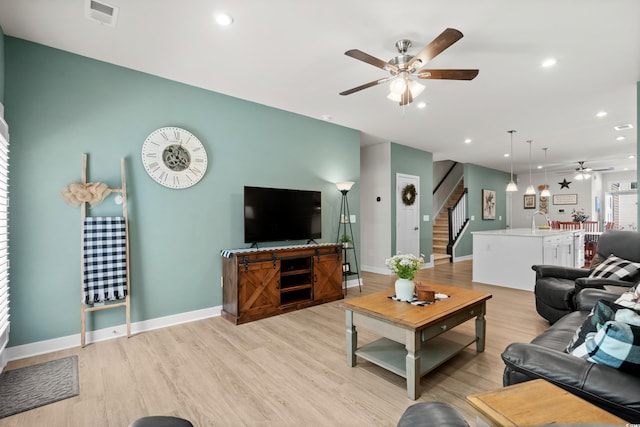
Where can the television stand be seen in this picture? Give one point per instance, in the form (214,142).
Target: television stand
(259,283)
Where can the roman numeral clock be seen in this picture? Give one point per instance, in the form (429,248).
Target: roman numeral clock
(174,157)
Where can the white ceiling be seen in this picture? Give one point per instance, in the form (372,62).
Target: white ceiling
(289,54)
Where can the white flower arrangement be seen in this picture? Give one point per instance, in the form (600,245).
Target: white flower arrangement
(405,266)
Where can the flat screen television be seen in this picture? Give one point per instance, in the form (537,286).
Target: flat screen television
(278,214)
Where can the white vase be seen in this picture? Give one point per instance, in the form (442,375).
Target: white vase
(404,289)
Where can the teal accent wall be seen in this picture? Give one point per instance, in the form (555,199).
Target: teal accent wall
(60,105)
(412,161)
(477,178)
(1,66)
(638,138)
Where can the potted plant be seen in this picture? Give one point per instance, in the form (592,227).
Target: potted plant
(405,267)
(345,239)
(579,215)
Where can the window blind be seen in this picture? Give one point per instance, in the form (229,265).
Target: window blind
(4,237)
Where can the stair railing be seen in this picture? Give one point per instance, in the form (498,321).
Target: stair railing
(457,220)
(447,187)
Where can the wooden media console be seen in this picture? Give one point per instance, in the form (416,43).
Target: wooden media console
(259,283)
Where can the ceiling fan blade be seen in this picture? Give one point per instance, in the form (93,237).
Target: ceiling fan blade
(433,49)
(365,57)
(448,74)
(365,86)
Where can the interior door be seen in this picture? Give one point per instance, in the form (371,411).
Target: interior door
(407,216)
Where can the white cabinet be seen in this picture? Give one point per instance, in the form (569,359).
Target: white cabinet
(505,257)
(558,250)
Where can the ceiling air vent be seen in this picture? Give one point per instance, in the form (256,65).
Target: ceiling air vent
(101,12)
(623,127)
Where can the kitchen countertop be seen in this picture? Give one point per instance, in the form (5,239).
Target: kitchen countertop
(525,232)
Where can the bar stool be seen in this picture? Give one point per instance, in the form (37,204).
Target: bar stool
(161,421)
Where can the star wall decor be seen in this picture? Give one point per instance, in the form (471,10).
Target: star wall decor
(564,183)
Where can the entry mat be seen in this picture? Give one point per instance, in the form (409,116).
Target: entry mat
(38,385)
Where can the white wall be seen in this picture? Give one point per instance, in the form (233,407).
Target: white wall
(583,190)
(608,178)
(375,179)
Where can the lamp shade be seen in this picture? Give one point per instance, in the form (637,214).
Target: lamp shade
(511,187)
(545,192)
(530,190)
(344,185)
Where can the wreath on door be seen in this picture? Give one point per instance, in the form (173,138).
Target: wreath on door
(409,195)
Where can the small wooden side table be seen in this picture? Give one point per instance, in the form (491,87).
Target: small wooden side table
(536,402)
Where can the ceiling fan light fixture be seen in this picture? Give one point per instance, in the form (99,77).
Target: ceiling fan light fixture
(396,93)
(398,85)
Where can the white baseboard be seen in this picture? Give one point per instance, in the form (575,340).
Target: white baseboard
(379,270)
(462,258)
(354,283)
(70,341)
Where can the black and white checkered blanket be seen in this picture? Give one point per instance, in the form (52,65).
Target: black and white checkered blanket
(105,259)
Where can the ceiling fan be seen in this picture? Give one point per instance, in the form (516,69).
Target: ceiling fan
(583,172)
(402,67)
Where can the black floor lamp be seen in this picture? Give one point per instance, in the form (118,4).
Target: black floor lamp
(344,238)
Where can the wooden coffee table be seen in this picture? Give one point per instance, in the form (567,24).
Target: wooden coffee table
(536,402)
(414,340)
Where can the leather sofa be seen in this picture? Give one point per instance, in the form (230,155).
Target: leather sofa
(556,286)
(614,391)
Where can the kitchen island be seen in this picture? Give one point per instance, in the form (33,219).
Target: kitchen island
(504,257)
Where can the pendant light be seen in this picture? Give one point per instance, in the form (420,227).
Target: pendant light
(545,192)
(530,190)
(511,187)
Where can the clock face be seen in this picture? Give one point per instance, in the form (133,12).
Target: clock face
(174,157)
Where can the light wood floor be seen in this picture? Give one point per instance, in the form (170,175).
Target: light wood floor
(288,370)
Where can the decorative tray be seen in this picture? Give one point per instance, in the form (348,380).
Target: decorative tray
(415,300)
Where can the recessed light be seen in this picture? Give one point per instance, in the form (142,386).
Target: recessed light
(620,138)
(224,19)
(539,166)
(422,104)
(467,141)
(623,127)
(549,62)
(506,154)
(626,169)
(632,156)
(601,114)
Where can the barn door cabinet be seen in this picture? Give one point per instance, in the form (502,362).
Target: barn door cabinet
(259,283)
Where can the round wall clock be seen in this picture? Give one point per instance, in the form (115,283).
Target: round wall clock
(174,157)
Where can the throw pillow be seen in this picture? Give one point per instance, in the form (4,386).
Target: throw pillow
(616,268)
(602,312)
(616,344)
(596,261)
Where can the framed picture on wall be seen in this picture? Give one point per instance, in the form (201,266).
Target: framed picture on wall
(529,201)
(488,204)
(565,199)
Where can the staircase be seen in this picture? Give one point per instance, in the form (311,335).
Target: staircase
(441,229)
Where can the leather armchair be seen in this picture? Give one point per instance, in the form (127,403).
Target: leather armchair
(545,357)
(556,287)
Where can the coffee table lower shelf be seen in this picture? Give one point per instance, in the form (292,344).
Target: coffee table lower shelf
(392,355)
